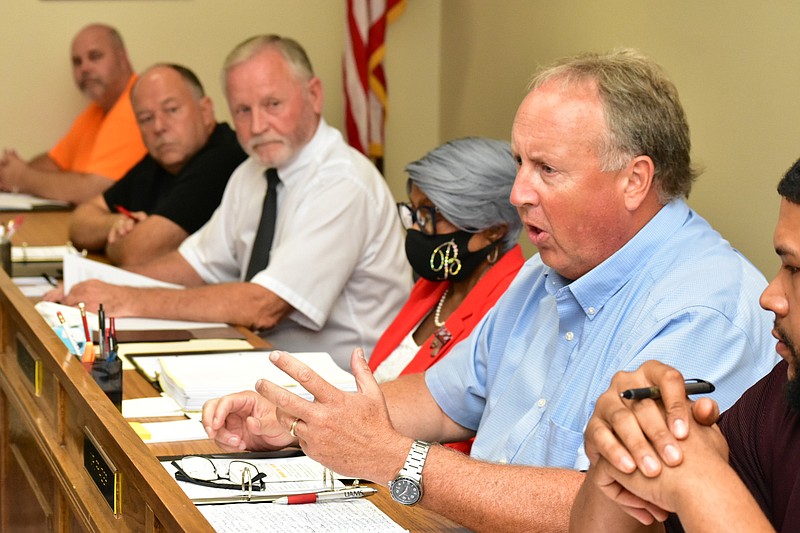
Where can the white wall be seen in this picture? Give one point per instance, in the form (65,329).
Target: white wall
(736,65)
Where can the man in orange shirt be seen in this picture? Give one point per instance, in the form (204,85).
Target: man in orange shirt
(103,142)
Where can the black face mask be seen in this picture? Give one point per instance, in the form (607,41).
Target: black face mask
(443,257)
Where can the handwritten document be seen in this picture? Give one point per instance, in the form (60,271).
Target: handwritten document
(338,516)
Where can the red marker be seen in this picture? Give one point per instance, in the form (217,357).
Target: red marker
(125,212)
(319,497)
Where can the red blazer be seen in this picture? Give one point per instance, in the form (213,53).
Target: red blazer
(424,297)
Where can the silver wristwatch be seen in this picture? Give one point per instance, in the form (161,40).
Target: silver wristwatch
(406,488)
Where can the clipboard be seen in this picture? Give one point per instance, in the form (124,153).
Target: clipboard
(170,335)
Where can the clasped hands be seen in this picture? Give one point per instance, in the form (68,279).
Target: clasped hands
(12,170)
(646,455)
(350,433)
(124,224)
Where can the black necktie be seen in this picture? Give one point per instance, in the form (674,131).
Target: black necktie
(259,259)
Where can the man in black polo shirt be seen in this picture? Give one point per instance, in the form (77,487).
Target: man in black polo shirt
(176,187)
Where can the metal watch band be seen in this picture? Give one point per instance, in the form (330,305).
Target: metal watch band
(415,460)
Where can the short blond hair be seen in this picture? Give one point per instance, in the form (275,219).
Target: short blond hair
(643,114)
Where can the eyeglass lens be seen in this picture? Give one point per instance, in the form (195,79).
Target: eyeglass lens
(424,217)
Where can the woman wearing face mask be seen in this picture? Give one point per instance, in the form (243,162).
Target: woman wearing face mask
(461,240)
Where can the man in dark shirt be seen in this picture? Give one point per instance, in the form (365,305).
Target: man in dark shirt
(739,475)
(176,187)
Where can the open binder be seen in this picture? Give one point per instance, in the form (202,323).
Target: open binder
(191,380)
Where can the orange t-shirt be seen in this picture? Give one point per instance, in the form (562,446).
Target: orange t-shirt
(106,144)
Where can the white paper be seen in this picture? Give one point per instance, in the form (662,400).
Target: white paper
(329,517)
(32,286)
(78,268)
(25,202)
(150,407)
(174,431)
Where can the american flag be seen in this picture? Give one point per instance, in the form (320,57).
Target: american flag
(364,78)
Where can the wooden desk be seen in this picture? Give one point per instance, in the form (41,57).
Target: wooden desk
(41,228)
(52,413)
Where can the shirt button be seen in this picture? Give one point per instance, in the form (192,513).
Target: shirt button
(542,402)
(503,461)
(569,336)
(590,310)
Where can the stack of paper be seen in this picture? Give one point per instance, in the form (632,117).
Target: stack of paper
(191,380)
(42,254)
(25,202)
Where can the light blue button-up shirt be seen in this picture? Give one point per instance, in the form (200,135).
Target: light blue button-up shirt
(528,377)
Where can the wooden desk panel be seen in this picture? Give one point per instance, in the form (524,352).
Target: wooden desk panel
(38,447)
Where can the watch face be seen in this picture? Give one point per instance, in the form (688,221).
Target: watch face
(406,491)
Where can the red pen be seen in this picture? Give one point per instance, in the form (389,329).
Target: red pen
(125,212)
(318,497)
(87,334)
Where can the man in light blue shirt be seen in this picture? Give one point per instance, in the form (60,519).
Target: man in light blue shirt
(676,292)
(625,272)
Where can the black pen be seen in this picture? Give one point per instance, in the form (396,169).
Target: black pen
(693,386)
(49,279)
(101,319)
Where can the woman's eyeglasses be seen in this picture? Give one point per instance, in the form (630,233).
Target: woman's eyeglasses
(423,216)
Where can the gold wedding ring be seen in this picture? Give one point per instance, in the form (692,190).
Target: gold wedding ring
(294,426)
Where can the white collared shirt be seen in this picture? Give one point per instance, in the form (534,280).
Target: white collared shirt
(338,251)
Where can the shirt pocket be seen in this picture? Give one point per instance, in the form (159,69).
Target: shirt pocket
(559,446)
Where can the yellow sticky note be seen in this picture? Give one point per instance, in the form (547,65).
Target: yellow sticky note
(140,430)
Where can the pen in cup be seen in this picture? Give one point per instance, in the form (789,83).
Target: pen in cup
(112,340)
(101,333)
(693,386)
(73,345)
(88,348)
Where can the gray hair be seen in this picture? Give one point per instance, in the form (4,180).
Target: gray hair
(292,52)
(643,114)
(470,181)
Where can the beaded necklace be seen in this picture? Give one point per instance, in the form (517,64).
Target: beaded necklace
(437,314)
